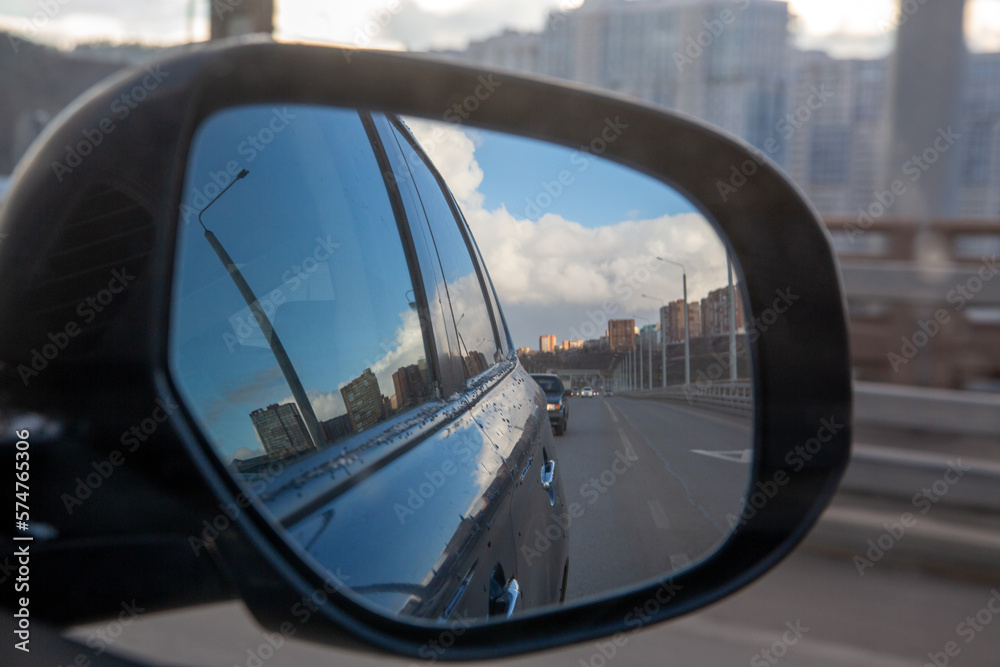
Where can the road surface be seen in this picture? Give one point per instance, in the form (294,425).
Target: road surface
(655,482)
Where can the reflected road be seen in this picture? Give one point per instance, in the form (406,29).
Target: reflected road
(652,482)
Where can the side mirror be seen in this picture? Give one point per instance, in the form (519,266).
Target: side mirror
(284,309)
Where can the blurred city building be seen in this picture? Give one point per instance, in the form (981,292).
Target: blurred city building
(823,119)
(547,343)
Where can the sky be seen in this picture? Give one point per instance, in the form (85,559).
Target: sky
(846,28)
(586,255)
(564,263)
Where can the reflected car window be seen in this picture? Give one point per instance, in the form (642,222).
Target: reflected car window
(548,385)
(476,337)
(295,320)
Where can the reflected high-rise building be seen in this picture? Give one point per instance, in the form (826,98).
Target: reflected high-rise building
(715,313)
(365,407)
(336,428)
(410,384)
(621,334)
(281,430)
(674,320)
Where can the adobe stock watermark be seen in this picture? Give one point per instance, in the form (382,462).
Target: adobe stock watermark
(100,640)
(429,141)
(580,160)
(907,9)
(923,502)
(130,440)
(230,511)
(558,15)
(643,614)
(434,480)
(302,611)
(912,170)
(959,297)
(246,323)
(597,320)
(378,21)
(695,46)
(433,649)
(87,310)
(558,526)
(32,25)
(464,109)
(968,630)
(248,150)
(718,369)
(779,648)
(121,107)
(640,615)
(785,128)
(797,460)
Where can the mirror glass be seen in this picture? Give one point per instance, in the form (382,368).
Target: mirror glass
(465,374)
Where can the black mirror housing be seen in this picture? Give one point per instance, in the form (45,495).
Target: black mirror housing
(95,208)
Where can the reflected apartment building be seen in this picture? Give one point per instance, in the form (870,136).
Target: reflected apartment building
(281,430)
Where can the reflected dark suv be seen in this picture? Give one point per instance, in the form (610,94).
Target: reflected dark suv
(555,397)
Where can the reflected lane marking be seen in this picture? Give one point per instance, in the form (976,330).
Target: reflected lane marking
(629,451)
(736,455)
(659,514)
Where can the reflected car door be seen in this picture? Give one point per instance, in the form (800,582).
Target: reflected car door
(513,414)
(472,364)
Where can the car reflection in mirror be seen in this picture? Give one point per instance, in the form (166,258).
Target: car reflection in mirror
(347,353)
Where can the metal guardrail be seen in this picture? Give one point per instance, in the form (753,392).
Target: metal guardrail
(926,409)
(892,472)
(917,408)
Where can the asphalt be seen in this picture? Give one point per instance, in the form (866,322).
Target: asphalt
(675,474)
(927,599)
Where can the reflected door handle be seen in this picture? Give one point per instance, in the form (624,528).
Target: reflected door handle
(510,595)
(548,474)
(548,478)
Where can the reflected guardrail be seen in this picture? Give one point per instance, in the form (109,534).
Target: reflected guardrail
(735,397)
(918,408)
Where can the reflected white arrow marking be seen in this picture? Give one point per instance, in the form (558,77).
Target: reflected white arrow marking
(736,455)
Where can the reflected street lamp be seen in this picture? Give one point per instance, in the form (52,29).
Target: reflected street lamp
(687,322)
(277,349)
(641,376)
(732,321)
(663,346)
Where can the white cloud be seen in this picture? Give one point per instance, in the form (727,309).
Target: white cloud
(453,153)
(405,349)
(552,274)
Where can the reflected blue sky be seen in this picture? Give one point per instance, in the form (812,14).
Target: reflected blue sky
(566,233)
(311,229)
(522,174)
